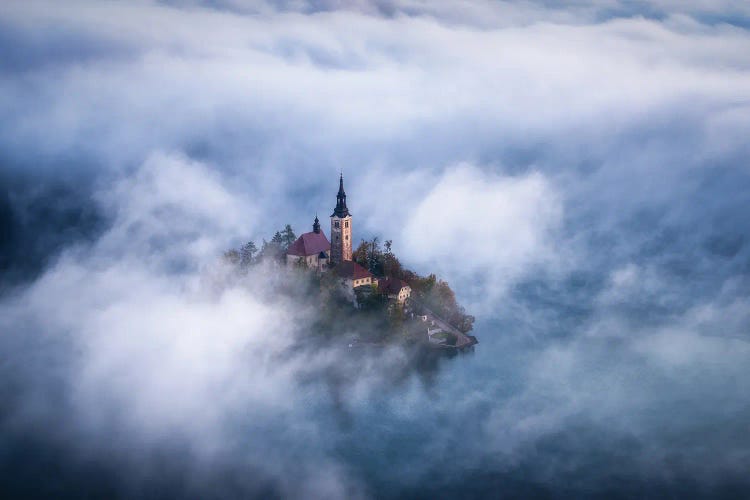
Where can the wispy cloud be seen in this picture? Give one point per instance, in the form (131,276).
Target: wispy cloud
(578,174)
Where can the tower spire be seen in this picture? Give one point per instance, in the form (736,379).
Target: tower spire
(341,210)
(341,228)
(316,225)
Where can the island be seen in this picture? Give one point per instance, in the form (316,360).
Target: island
(363,296)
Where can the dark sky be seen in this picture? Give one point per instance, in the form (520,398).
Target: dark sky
(578,174)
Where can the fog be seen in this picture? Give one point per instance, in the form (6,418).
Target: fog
(578,175)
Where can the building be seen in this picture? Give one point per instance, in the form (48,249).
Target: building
(395,289)
(341,228)
(313,250)
(310,249)
(354,275)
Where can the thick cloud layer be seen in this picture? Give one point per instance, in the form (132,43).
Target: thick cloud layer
(578,174)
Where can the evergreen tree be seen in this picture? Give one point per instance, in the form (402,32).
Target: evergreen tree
(270,250)
(232,257)
(287,237)
(247,252)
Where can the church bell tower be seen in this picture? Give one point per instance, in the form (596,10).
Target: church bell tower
(341,228)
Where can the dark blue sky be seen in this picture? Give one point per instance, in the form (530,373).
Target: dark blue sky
(578,174)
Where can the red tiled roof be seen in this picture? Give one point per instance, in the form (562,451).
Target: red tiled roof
(311,243)
(391,285)
(351,270)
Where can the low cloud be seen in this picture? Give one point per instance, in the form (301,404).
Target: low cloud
(483,227)
(577,174)
(153,343)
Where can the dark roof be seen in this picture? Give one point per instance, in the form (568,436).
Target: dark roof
(340,211)
(351,270)
(309,244)
(316,225)
(391,285)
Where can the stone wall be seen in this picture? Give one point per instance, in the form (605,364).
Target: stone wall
(341,239)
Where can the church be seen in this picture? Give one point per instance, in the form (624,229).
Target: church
(315,251)
(311,249)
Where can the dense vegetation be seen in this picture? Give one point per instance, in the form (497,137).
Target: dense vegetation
(427,291)
(365,310)
(275,249)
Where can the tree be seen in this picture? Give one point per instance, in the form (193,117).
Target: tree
(410,277)
(465,323)
(247,252)
(232,257)
(444,296)
(391,264)
(287,237)
(270,249)
(422,285)
(360,254)
(375,258)
(396,317)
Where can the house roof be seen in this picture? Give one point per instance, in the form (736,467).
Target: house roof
(351,270)
(311,243)
(391,285)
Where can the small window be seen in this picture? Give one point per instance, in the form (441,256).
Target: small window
(336,224)
(346,224)
(347,236)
